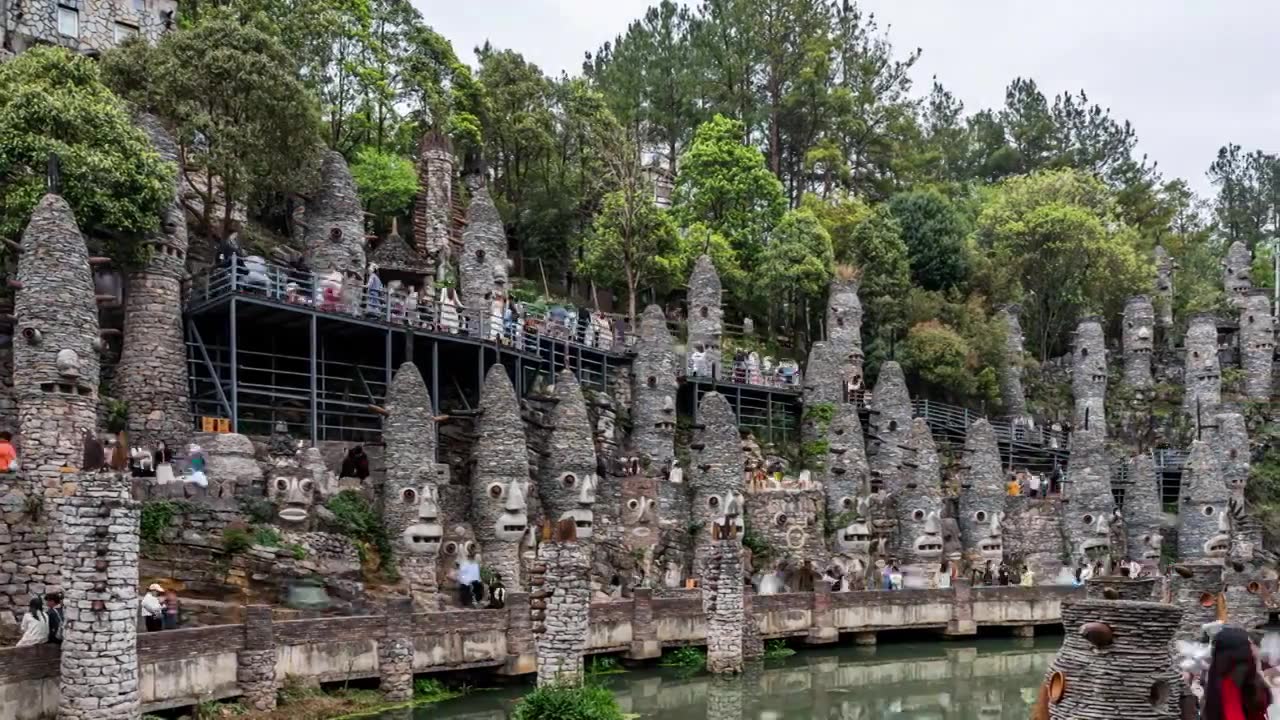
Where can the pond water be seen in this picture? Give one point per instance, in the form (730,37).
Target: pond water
(990,679)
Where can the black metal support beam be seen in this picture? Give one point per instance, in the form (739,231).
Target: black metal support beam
(235,364)
(315,390)
(213,371)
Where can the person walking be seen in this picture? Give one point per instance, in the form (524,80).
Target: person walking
(8,456)
(1234,688)
(152,610)
(172,610)
(57,617)
(35,624)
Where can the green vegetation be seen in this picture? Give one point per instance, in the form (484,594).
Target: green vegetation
(777,649)
(604,665)
(358,520)
(266,536)
(430,690)
(297,551)
(53,101)
(688,658)
(387,182)
(156,517)
(236,540)
(589,702)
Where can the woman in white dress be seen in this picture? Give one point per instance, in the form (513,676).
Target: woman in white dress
(35,624)
(448,309)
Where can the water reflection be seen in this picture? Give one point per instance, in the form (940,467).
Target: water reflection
(983,680)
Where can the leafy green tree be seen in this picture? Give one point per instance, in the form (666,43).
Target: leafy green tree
(934,231)
(244,118)
(1064,252)
(726,185)
(53,101)
(387,182)
(1248,202)
(938,356)
(797,266)
(633,244)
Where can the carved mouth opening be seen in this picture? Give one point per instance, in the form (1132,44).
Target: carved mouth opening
(513,528)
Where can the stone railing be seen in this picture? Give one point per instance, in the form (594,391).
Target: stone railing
(183,667)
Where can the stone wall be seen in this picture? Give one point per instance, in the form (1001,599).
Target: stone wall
(1203,376)
(152,373)
(482,268)
(99,676)
(433,208)
(1033,534)
(844,323)
(567,483)
(722,590)
(1195,589)
(100,24)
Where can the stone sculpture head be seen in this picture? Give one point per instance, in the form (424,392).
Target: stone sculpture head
(568,485)
(982,496)
(1204,520)
(922,529)
(425,536)
(854,537)
(291,490)
(459,545)
(640,511)
(505,509)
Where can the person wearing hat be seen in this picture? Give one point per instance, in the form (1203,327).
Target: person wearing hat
(152,610)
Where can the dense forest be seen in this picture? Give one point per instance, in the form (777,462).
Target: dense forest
(799,146)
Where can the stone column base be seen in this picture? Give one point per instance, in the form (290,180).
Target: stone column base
(864,638)
(256,676)
(1024,631)
(822,635)
(395,669)
(644,650)
(961,628)
(519,665)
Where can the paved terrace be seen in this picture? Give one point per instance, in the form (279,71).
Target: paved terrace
(184,667)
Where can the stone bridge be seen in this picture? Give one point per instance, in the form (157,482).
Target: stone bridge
(184,667)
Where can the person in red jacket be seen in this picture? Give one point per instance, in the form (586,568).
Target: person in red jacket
(1234,688)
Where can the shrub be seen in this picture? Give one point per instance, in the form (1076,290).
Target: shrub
(157,515)
(266,536)
(777,649)
(236,540)
(432,690)
(355,518)
(604,665)
(685,657)
(589,702)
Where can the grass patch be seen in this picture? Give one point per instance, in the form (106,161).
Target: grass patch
(266,536)
(589,702)
(358,520)
(604,665)
(777,649)
(686,658)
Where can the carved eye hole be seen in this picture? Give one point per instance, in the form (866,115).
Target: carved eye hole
(917,515)
(569,480)
(633,503)
(495,491)
(1208,511)
(1195,353)
(780,519)
(702,311)
(480,254)
(409,496)
(307,485)
(1254,587)
(846,503)
(282,484)
(839,322)
(470,547)
(980,516)
(651,381)
(893,425)
(1084,352)
(839,431)
(451,548)
(713,502)
(1087,519)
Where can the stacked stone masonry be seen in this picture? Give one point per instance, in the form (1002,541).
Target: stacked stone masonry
(560,602)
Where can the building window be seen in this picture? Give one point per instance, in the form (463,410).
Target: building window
(68,21)
(124,32)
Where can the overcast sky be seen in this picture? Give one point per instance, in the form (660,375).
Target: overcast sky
(1191,75)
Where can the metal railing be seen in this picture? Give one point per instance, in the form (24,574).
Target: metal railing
(514,325)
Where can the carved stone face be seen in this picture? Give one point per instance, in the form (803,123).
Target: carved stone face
(1092,534)
(581,487)
(719,508)
(292,493)
(1219,543)
(855,537)
(504,507)
(786,521)
(988,526)
(640,511)
(923,534)
(1149,548)
(459,544)
(425,536)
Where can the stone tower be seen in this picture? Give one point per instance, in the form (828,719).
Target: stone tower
(1143,513)
(411,498)
(890,427)
(1164,287)
(1089,377)
(1203,377)
(722,590)
(99,679)
(1204,524)
(824,379)
(1257,344)
(433,208)
(1236,268)
(716,476)
(706,317)
(1015,400)
(919,507)
(653,395)
(559,610)
(568,482)
(982,495)
(1090,510)
(1230,443)
(1115,662)
(844,322)
(482,268)
(1033,531)
(56,345)
(152,374)
(1196,588)
(1139,341)
(335,223)
(500,479)
(847,480)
